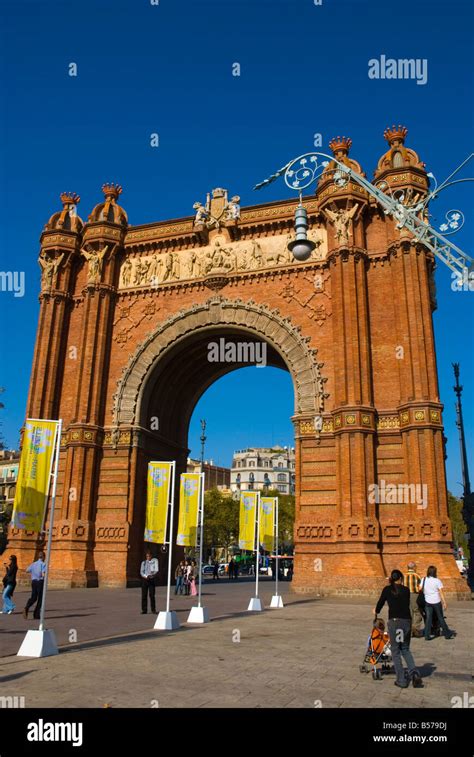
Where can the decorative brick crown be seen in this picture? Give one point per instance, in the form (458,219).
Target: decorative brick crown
(338,144)
(395,134)
(111,190)
(69,198)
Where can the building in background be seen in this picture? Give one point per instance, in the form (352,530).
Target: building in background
(9,464)
(263,468)
(216,476)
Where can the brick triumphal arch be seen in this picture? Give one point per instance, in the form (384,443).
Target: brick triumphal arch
(126,317)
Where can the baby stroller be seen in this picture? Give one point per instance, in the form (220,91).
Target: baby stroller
(378,655)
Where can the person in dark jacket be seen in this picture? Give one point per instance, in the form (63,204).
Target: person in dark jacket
(9,583)
(397,597)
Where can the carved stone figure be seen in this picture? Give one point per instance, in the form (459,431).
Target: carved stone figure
(176,269)
(232,211)
(126,272)
(154,270)
(138,272)
(201,213)
(50,267)
(341,220)
(168,266)
(95,259)
(256,256)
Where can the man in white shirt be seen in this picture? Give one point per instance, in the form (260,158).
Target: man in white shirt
(148,572)
(434,603)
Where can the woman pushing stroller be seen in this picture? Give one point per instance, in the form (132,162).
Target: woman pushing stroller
(397,597)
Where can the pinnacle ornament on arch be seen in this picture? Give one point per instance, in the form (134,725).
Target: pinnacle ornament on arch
(109,210)
(67,218)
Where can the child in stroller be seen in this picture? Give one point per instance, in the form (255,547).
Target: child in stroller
(378,655)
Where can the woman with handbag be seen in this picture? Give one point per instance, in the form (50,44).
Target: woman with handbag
(432,590)
(9,583)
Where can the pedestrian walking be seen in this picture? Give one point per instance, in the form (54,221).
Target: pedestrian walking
(9,583)
(192,581)
(413,581)
(187,573)
(231,569)
(215,571)
(148,571)
(435,603)
(397,597)
(37,571)
(179,576)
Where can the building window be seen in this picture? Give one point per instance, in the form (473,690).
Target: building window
(281,477)
(281,488)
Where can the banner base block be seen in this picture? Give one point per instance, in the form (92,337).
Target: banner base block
(277,601)
(38,644)
(198,615)
(255,605)
(166,621)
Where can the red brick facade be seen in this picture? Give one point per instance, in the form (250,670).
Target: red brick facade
(122,360)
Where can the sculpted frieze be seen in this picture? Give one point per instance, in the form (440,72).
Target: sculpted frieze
(219,257)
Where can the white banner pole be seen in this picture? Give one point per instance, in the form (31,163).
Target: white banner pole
(51,522)
(168,620)
(201,533)
(258,545)
(42,643)
(199,614)
(277,601)
(170,535)
(276,542)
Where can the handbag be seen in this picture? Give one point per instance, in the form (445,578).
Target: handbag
(420,600)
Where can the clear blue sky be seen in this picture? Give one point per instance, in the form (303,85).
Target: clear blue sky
(168,69)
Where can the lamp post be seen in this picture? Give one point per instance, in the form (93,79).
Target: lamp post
(203,439)
(468,497)
(306,169)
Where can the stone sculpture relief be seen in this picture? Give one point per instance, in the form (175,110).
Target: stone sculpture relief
(217,258)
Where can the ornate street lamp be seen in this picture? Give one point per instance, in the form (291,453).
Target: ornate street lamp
(203,438)
(301,172)
(468,496)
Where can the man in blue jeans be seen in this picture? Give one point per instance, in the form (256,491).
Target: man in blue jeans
(37,571)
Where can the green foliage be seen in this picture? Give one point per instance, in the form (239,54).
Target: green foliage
(459,527)
(221,519)
(286,518)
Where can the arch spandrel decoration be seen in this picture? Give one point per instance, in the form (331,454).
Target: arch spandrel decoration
(257,320)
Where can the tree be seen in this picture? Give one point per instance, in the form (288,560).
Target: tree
(286,518)
(455,505)
(221,519)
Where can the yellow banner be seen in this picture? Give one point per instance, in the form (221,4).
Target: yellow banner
(157,500)
(248,513)
(267,520)
(34,474)
(189,495)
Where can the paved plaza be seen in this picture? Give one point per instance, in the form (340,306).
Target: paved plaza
(306,655)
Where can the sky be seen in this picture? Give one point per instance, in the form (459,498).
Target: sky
(167,69)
